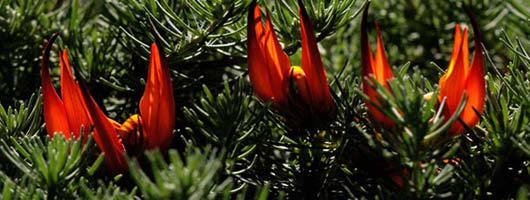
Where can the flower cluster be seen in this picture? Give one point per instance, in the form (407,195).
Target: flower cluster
(300,93)
(76,113)
(461,81)
(303,92)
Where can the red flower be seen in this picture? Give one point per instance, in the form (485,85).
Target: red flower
(374,70)
(155,123)
(462,79)
(78,110)
(298,92)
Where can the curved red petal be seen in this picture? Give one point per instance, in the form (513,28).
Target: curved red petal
(376,69)
(157,106)
(452,83)
(105,135)
(322,102)
(73,101)
(475,90)
(54,112)
(457,44)
(267,62)
(475,84)
(465,53)
(367,60)
(460,78)
(382,70)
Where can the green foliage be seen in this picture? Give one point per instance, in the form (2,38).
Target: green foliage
(410,154)
(220,117)
(101,190)
(51,166)
(189,32)
(24,24)
(229,120)
(502,144)
(197,176)
(25,121)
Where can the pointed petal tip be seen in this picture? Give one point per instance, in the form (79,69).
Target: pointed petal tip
(301,4)
(366,54)
(474,24)
(47,48)
(364,26)
(303,12)
(158,45)
(51,41)
(378,31)
(159,50)
(157,103)
(365,12)
(252,9)
(53,107)
(458,27)
(252,4)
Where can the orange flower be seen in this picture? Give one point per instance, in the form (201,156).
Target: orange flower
(298,92)
(154,125)
(77,109)
(464,79)
(374,70)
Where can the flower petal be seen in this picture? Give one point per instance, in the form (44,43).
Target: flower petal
(456,51)
(367,59)
(475,84)
(54,111)
(105,135)
(321,99)
(464,79)
(376,69)
(157,106)
(72,98)
(382,70)
(267,62)
(452,83)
